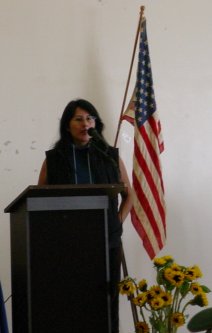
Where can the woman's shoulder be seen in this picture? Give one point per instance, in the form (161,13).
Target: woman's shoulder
(50,151)
(113,151)
(53,151)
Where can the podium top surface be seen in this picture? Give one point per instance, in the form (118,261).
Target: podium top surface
(65,190)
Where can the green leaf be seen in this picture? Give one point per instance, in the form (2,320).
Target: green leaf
(205,289)
(169,286)
(159,277)
(184,289)
(162,327)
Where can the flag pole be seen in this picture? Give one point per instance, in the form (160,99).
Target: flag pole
(123,260)
(130,298)
(130,72)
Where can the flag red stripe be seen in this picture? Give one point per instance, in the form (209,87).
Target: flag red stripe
(129,119)
(153,154)
(161,146)
(154,125)
(147,208)
(144,237)
(143,165)
(156,128)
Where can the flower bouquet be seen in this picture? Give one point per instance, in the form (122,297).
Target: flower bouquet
(165,304)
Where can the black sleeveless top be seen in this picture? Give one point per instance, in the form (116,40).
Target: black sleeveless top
(83,166)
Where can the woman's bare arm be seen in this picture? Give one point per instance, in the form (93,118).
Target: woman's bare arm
(126,197)
(42,180)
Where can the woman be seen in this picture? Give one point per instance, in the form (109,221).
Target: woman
(78,159)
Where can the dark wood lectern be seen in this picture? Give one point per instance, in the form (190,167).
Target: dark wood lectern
(59,259)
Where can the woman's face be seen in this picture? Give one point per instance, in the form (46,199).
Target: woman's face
(79,125)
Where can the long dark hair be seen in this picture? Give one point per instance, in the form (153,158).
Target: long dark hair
(68,114)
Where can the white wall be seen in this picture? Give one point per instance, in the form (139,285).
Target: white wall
(54,51)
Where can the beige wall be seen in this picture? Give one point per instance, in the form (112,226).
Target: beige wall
(53,51)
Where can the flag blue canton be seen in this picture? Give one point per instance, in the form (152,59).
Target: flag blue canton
(145,104)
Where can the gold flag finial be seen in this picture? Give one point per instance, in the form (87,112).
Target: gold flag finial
(129,75)
(142,11)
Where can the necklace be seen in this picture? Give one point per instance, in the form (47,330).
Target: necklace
(82,165)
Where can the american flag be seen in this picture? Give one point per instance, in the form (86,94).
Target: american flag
(148,212)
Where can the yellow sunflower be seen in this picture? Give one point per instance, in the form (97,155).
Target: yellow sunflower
(178,319)
(162,261)
(176,278)
(142,327)
(167,298)
(200,299)
(195,288)
(142,285)
(175,267)
(126,287)
(157,303)
(155,291)
(193,273)
(141,299)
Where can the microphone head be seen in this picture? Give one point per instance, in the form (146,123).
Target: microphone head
(91,131)
(97,139)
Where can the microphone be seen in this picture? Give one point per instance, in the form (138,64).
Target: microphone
(102,146)
(98,138)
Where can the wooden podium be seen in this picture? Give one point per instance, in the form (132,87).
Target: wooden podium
(59,259)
